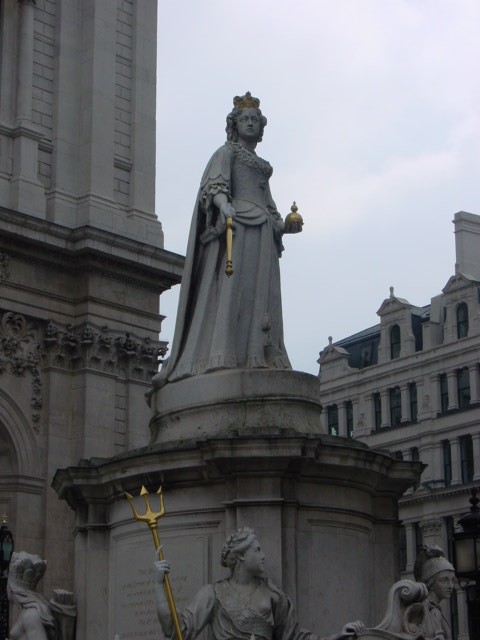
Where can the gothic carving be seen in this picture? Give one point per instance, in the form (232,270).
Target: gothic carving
(20,354)
(91,347)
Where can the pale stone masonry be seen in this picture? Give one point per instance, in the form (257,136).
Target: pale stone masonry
(82,261)
(411,385)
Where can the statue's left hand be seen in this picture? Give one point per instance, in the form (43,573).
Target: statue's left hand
(296,227)
(351,629)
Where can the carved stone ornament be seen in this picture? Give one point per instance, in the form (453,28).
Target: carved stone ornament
(405,613)
(88,346)
(20,355)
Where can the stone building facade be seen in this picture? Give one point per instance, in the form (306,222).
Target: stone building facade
(411,385)
(82,261)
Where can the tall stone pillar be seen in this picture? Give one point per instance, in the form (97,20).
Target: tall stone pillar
(27,194)
(452,390)
(404,389)
(385,408)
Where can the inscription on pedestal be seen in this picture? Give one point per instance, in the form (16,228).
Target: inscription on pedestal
(134,609)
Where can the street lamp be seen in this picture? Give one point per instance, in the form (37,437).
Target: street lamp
(466,553)
(6,550)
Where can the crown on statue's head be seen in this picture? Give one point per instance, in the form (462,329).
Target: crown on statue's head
(247,101)
(26,570)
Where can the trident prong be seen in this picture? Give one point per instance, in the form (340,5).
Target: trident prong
(151,517)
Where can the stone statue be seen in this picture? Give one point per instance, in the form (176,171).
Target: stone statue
(413,610)
(244,605)
(229,322)
(38,618)
(435,571)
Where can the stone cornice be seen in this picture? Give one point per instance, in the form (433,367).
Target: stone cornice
(58,244)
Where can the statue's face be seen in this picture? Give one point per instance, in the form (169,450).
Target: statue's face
(248,125)
(443,585)
(254,558)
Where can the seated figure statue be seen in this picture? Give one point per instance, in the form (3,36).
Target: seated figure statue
(244,605)
(38,618)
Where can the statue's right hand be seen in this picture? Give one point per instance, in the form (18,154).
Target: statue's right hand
(160,567)
(227,211)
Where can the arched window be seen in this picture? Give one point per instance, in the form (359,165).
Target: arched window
(394,342)
(462,320)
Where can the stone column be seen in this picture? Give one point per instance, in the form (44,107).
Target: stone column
(476,456)
(423,402)
(452,390)
(27,194)
(385,408)
(62,198)
(411,550)
(97,117)
(474,384)
(406,416)
(356,414)
(436,461)
(456,461)
(435,403)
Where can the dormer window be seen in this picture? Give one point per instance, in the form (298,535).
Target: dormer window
(395,342)
(462,320)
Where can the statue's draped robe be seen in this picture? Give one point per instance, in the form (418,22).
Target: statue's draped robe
(237,321)
(230,619)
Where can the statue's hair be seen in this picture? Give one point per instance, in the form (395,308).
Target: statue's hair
(430,561)
(236,544)
(231,128)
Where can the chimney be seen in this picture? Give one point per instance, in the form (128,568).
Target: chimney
(467,244)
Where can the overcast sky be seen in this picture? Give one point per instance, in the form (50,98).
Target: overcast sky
(373,111)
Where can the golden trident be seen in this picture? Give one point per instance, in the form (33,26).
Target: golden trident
(151,517)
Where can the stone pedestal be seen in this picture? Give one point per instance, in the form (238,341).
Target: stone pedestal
(238,448)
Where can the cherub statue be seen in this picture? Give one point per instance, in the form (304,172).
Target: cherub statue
(38,618)
(244,605)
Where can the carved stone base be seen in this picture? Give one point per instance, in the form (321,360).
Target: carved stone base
(236,402)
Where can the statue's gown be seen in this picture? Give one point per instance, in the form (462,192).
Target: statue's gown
(218,606)
(237,321)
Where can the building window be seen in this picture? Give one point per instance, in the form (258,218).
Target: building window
(377,408)
(333,420)
(394,342)
(462,320)
(395,406)
(447,463)
(402,547)
(443,393)
(398,455)
(349,412)
(412,389)
(463,387)
(466,458)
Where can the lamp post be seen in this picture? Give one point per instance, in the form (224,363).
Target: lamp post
(466,553)
(6,550)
